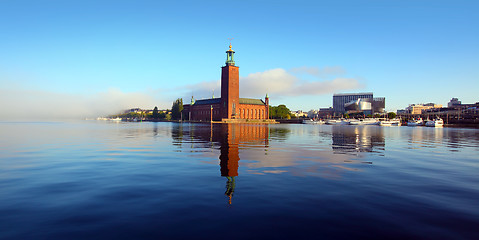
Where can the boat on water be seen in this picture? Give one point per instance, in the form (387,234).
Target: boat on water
(438,122)
(415,122)
(337,122)
(115,119)
(390,122)
(366,121)
(313,121)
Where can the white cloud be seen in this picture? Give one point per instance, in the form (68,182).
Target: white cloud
(281,83)
(320,72)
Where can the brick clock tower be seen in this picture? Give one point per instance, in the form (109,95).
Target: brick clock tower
(230,87)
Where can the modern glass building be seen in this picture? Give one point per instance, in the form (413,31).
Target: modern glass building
(342,98)
(376,105)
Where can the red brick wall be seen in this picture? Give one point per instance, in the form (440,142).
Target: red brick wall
(202,112)
(250,111)
(229,90)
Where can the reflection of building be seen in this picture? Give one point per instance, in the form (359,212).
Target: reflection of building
(357,139)
(230,105)
(232,135)
(358,102)
(229,137)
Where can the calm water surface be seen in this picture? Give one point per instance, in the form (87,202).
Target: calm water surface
(101,180)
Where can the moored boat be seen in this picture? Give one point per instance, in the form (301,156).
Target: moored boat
(312,121)
(337,122)
(415,122)
(366,121)
(438,122)
(390,122)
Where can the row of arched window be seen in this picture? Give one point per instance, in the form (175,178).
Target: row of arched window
(252,113)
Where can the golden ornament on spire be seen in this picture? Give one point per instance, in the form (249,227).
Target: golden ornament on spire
(230,43)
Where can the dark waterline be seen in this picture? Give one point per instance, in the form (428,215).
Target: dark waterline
(99,180)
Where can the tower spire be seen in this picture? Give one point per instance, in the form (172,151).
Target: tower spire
(230,61)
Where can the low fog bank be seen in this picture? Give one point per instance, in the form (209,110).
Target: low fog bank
(36,105)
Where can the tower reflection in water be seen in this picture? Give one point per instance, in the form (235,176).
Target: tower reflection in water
(230,138)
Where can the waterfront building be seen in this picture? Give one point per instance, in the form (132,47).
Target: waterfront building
(358,102)
(229,105)
(419,108)
(299,113)
(454,102)
(359,105)
(313,113)
(326,112)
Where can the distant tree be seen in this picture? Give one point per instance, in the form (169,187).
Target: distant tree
(162,115)
(346,115)
(391,115)
(176,109)
(132,115)
(369,116)
(155,114)
(282,111)
(272,112)
(377,115)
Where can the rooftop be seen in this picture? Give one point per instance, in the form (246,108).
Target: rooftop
(346,94)
(208,101)
(251,101)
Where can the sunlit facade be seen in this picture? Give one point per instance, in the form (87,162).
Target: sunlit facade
(230,105)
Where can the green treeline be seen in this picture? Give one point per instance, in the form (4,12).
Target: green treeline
(156,114)
(176,109)
(280,112)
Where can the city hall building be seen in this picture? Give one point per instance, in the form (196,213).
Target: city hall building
(229,106)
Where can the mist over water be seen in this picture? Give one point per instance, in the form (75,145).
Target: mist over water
(101,180)
(40,105)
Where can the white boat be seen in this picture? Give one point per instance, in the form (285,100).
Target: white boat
(366,121)
(311,121)
(391,122)
(415,122)
(337,122)
(115,119)
(438,122)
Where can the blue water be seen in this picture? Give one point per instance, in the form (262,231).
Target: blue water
(102,180)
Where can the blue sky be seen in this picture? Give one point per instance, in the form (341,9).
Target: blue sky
(85,58)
